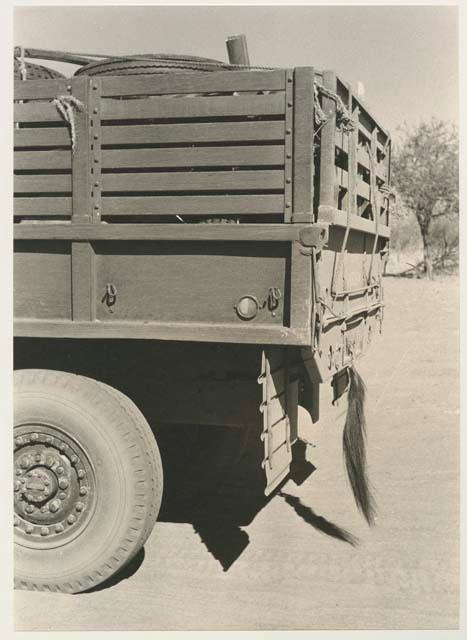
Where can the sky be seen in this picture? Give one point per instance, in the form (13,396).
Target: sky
(406,56)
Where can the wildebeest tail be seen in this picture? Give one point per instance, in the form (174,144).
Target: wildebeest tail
(354,439)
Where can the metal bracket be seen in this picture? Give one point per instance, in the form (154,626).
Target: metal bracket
(313,237)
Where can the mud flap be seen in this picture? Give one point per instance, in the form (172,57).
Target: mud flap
(279,407)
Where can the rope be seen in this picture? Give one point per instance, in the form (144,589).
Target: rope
(344,119)
(66,106)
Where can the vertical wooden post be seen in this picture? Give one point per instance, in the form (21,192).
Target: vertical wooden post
(237,50)
(302,196)
(80,160)
(303,133)
(352,166)
(82,253)
(328,194)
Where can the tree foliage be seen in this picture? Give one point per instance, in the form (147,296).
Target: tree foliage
(425,173)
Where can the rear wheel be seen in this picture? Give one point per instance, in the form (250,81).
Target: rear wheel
(88,481)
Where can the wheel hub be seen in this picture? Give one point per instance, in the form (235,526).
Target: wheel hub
(54,486)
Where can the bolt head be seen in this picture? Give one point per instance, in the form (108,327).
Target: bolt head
(49,440)
(35,436)
(74,459)
(62,496)
(83,491)
(79,506)
(63,483)
(54,506)
(15,521)
(29,508)
(29,528)
(71,519)
(44,531)
(19,441)
(17,485)
(18,472)
(81,473)
(59,528)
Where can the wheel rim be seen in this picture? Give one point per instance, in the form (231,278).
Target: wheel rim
(54,487)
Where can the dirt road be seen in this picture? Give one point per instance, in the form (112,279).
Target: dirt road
(279,571)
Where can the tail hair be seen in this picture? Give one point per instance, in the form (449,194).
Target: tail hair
(354,440)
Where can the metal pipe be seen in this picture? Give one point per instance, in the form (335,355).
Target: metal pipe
(237,50)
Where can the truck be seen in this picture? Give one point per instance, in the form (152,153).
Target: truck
(195,243)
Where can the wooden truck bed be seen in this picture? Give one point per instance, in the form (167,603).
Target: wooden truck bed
(119,183)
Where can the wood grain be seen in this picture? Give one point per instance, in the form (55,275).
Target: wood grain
(194,82)
(192,107)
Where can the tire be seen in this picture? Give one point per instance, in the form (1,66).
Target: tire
(88,481)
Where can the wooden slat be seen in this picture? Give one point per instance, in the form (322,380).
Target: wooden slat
(193,107)
(42,206)
(190,133)
(194,157)
(171,205)
(194,82)
(184,180)
(357,223)
(42,184)
(40,160)
(36,112)
(363,189)
(39,89)
(206,332)
(42,137)
(140,231)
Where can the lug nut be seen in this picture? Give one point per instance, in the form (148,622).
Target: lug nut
(54,506)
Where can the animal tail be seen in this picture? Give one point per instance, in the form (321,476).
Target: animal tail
(354,438)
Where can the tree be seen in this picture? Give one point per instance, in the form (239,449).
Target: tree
(425,173)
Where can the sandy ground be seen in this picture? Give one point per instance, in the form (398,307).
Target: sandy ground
(285,573)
